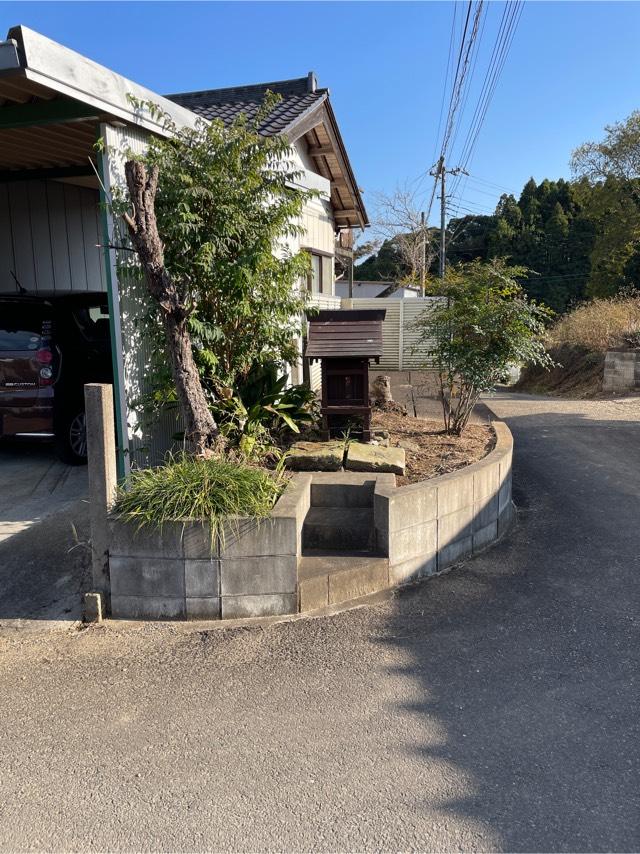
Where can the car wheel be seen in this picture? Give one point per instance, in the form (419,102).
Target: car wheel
(71,438)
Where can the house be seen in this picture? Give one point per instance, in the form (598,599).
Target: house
(372,290)
(56,231)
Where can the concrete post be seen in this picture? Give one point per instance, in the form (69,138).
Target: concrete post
(101,448)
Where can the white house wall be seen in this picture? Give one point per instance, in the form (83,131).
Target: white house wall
(50,237)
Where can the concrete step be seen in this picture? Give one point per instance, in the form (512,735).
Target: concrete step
(343,529)
(325,580)
(346,489)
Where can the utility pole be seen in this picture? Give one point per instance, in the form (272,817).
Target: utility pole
(443,227)
(440,171)
(423,268)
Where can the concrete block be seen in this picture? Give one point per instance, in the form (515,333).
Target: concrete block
(412,542)
(197,543)
(484,536)
(201,578)
(353,583)
(254,538)
(252,575)
(455,492)
(92,611)
(506,518)
(144,576)
(147,608)
(354,492)
(128,541)
(203,607)
(411,505)
(455,526)
(413,569)
(265,605)
(314,593)
(485,512)
(504,495)
(454,552)
(486,481)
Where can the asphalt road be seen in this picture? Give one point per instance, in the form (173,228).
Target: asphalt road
(493,708)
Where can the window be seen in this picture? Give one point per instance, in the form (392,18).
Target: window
(320,277)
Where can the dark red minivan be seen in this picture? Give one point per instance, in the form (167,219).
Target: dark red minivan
(50,346)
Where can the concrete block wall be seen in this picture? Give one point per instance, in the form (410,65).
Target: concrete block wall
(426,527)
(621,371)
(178,574)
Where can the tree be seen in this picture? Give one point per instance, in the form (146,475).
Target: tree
(483,324)
(211,209)
(399,223)
(617,155)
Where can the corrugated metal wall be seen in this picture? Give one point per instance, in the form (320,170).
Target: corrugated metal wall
(50,237)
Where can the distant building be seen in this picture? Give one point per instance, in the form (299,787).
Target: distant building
(369,290)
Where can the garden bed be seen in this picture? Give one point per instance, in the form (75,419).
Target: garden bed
(429,451)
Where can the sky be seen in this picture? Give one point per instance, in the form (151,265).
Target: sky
(572,68)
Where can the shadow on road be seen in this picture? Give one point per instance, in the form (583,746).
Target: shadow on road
(528,657)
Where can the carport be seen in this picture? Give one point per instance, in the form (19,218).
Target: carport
(56,232)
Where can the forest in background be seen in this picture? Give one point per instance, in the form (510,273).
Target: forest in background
(579,238)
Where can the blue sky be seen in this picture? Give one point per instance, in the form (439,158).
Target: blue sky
(573,67)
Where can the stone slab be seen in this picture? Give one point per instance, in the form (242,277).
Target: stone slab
(413,569)
(127,540)
(314,593)
(455,526)
(484,536)
(315,456)
(203,608)
(375,458)
(408,543)
(201,578)
(353,583)
(147,576)
(255,538)
(265,605)
(253,575)
(455,552)
(147,608)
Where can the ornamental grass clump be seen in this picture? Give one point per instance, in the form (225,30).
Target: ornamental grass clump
(191,488)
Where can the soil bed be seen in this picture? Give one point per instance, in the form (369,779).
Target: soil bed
(429,451)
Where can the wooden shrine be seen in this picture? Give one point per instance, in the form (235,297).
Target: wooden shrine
(344,342)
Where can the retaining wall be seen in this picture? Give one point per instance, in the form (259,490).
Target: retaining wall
(426,527)
(621,371)
(420,529)
(175,574)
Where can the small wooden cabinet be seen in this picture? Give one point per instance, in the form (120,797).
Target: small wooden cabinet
(345,342)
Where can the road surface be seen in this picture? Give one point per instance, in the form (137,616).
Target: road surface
(493,708)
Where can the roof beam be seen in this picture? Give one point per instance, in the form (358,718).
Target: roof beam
(45,174)
(57,111)
(320,150)
(345,212)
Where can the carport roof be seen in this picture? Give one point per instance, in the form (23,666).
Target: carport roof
(52,100)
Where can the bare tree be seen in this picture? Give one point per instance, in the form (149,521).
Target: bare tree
(399,219)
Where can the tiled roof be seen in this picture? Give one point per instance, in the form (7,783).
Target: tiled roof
(298,96)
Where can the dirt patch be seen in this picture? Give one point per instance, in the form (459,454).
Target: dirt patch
(429,451)
(578,374)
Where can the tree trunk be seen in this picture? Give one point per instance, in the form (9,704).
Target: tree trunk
(201,428)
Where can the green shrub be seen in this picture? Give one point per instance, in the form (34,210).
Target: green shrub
(187,488)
